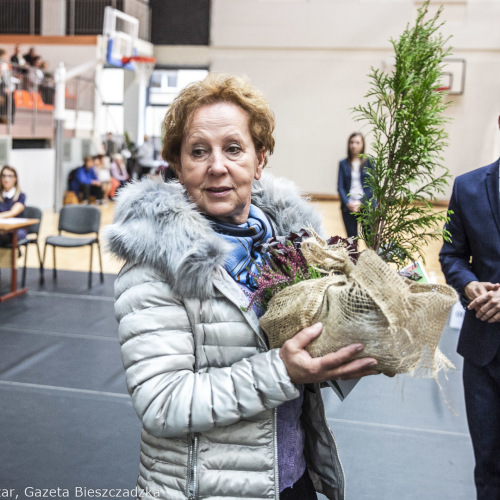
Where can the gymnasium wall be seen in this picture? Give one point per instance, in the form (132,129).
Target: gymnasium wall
(311,58)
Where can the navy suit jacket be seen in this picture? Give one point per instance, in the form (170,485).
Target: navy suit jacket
(474,253)
(345,177)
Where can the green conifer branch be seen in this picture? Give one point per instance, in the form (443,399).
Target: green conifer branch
(405,113)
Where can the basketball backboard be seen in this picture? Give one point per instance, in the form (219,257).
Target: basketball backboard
(452,79)
(453,76)
(120,33)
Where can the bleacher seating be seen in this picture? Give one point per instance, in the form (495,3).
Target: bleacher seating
(24,99)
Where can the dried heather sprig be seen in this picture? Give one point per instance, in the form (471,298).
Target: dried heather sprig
(285,265)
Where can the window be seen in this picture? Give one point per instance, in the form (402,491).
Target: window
(165,84)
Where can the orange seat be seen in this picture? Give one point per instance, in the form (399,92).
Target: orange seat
(18,99)
(28,99)
(25,99)
(41,105)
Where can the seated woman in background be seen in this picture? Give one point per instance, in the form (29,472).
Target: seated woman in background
(119,174)
(12,201)
(101,168)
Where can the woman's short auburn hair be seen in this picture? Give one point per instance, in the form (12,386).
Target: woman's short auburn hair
(217,87)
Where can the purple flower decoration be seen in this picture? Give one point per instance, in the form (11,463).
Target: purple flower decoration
(285,265)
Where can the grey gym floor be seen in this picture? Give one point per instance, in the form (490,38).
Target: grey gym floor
(66,420)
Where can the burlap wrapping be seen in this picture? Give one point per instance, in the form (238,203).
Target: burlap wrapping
(399,321)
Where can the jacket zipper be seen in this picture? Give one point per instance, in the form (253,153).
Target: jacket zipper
(276,468)
(192,459)
(264,346)
(325,422)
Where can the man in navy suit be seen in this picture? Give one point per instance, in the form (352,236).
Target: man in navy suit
(471,264)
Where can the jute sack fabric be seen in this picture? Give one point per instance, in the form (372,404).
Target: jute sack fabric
(398,320)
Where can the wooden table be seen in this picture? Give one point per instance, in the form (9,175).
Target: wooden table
(11,225)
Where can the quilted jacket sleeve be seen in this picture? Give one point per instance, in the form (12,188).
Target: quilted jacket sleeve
(158,352)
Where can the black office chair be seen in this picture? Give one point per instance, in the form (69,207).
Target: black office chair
(76,219)
(31,238)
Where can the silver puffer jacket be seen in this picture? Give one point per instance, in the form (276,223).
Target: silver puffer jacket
(202,379)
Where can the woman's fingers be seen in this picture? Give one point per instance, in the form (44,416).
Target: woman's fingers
(303,369)
(354,369)
(339,364)
(340,357)
(305,336)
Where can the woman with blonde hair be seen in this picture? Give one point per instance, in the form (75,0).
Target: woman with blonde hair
(12,201)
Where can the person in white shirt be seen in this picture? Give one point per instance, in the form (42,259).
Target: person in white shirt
(18,58)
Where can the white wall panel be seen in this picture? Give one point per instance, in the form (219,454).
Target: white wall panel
(311,58)
(35,169)
(307,24)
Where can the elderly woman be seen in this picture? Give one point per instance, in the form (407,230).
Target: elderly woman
(222,414)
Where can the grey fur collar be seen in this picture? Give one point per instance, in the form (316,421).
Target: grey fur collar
(156,224)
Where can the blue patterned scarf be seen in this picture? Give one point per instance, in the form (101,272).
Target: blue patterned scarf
(243,260)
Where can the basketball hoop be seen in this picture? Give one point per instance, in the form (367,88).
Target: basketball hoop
(444,89)
(143,66)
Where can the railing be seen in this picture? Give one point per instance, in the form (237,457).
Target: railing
(80,94)
(27,101)
(80,17)
(23,111)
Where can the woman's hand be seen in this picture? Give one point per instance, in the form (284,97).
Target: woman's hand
(353,206)
(303,369)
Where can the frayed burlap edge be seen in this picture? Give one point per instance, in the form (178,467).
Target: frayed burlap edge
(399,321)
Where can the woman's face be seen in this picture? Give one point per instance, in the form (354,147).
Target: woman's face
(218,161)
(8,179)
(356,145)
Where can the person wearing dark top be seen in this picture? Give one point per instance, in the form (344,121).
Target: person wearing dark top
(86,181)
(111,145)
(470,261)
(30,56)
(351,182)
(12,202)
(17,57)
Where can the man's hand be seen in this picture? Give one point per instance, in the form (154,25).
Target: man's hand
(487,306)
(475,289)
(303,369)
